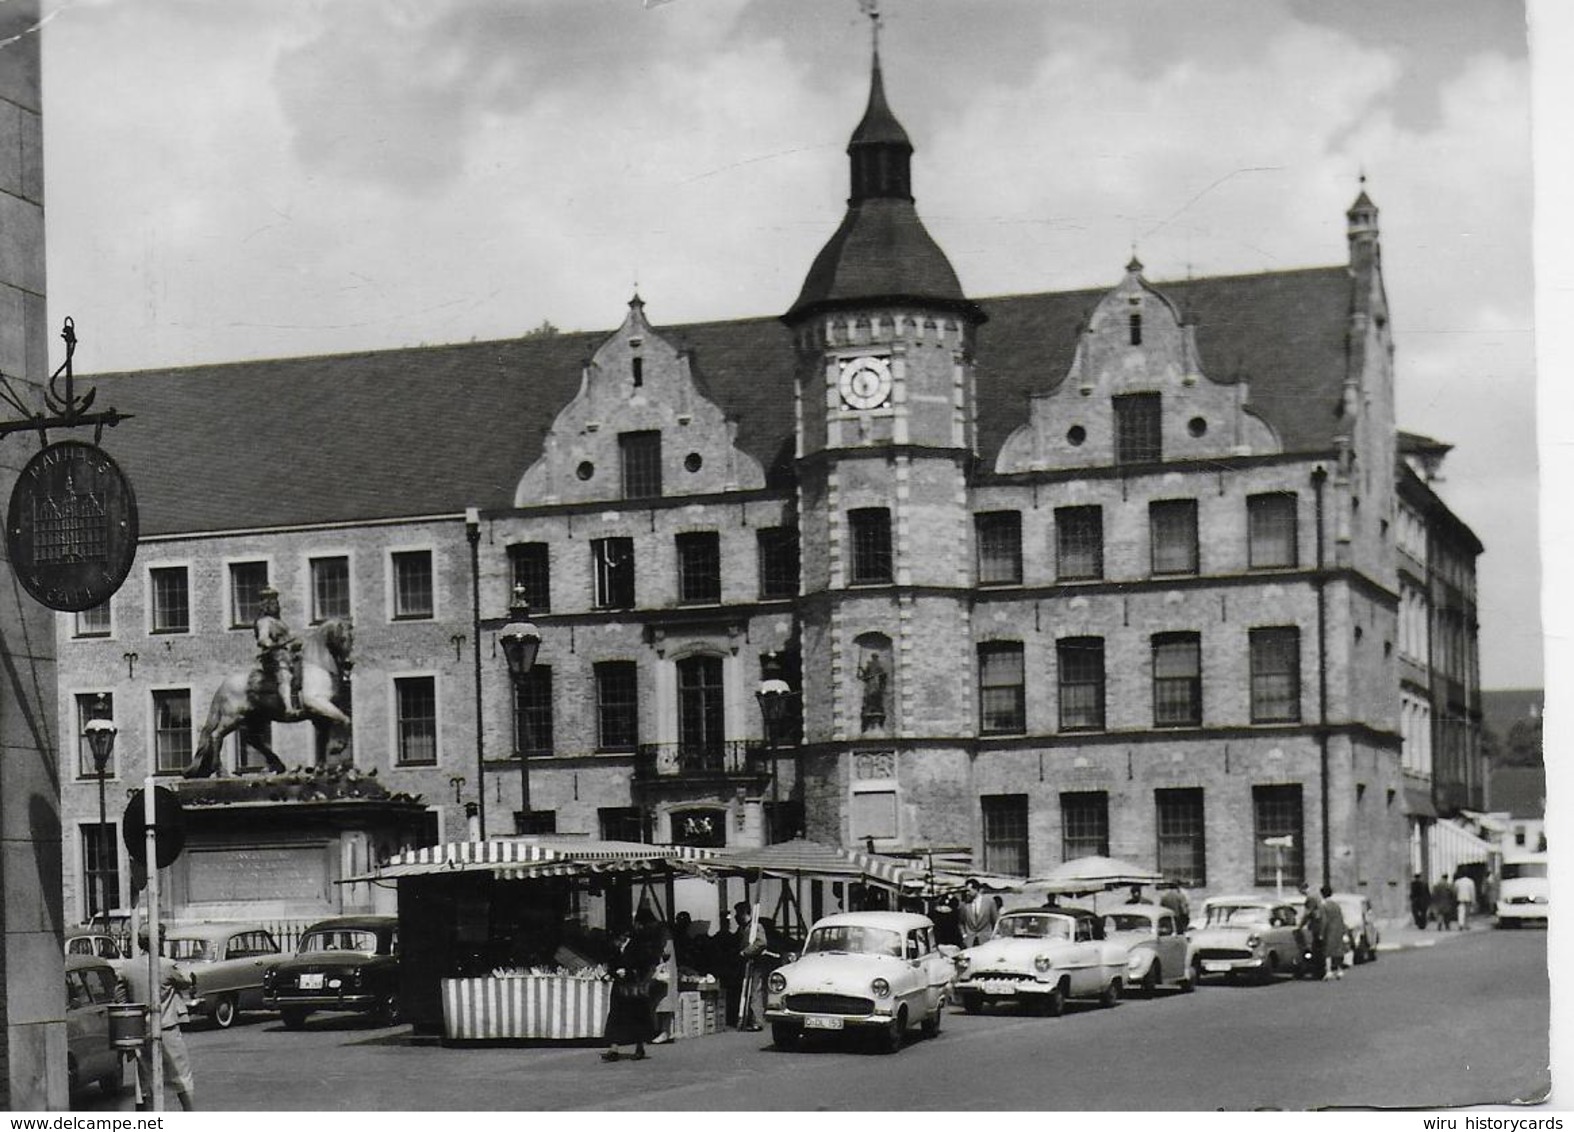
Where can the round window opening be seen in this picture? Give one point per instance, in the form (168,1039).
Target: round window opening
(1197,426)
(1075,435)
(693,462)
(585,470)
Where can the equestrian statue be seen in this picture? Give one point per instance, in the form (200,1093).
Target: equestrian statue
(294,681)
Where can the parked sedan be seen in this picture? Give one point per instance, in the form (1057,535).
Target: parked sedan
(1158,953)
(90,988)
(1254,935)
(226,963)
(1041,957)
(344,963)
(876,971)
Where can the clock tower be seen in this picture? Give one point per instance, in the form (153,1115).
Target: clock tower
(885,437)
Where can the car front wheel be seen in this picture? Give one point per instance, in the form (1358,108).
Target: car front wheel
(786,1036)
(891,1037)
(1054,1003)
(1150,982)
(1111,994)
(931,1025)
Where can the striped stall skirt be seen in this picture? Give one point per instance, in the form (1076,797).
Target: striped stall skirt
(528,1006)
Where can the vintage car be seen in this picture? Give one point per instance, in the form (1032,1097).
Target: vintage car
(1158,953)
(1361,934)
(1040,957)
(226,963)
(880,972)
(90,988)
(1523,895)
(1254,935)
(343,963)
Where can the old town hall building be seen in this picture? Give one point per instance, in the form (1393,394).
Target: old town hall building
(1147,571)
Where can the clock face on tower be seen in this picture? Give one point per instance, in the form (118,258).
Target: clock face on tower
(866,382)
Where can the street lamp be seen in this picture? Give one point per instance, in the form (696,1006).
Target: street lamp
(774,695)
(101,734)
(521,641)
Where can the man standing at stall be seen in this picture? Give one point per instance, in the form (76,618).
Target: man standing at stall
(976,915)
(752,948)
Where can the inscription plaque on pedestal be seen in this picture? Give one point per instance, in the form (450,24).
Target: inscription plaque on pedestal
(72,526)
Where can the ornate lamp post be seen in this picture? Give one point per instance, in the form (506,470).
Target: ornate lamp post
(521,641)
(101,741)
(774,695)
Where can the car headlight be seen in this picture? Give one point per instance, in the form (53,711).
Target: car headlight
(881,988)
(962,963)
(777,982)
(1254,941)
(1133,962)
(1042,963)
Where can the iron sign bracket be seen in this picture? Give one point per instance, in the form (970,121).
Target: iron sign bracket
(64,409)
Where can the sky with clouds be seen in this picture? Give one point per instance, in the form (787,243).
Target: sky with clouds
(266,178)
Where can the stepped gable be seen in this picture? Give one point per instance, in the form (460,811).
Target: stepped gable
(435,429)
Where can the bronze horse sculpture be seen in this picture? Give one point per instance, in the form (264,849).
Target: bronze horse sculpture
(324,667)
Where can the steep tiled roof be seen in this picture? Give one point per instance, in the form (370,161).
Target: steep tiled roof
(434,429)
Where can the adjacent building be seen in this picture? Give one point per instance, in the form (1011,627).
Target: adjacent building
(1137,570)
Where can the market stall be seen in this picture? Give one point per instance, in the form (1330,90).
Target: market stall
(507,940)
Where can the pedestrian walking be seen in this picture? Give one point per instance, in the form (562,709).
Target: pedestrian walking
(1310,930)
(1443,903)
(976,916)
(630,1020)
(1175,899)
(1333,936)
(173,985)
(1464,898)
(1420,900)
(664,977)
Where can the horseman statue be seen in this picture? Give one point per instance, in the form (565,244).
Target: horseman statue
(293,681)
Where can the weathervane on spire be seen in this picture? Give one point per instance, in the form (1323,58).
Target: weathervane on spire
(871,8)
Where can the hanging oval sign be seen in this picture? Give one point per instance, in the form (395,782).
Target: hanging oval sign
(72,527)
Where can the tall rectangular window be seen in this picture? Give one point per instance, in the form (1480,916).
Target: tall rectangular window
(1172,524)
(533,711)
(870,529)
(1079,543)
(699,567)
(1138,429)
(415,708)
(1005,834)
(612,563)
(1270,534)
(412,585)
(778,547)
(1084,824)
(1182,844)
(701,710)
(531,567)
(999,548)
(1277,836)
(641,453)
(1276,675)
(91,706)
(171,599)
(617,704)
(330,588)
(247,581)
(1081,664)
(1177,679)
(171,731)
(94,622)
(100,868)
(1002,698)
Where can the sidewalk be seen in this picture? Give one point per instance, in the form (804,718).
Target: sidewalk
(1403,935)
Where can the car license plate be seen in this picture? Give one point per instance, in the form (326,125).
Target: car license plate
(311,982)
(1215,966)
(998,987)
(821,1022)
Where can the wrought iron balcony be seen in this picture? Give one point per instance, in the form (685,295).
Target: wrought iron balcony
(741,757)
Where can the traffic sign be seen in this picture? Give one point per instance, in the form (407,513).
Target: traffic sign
(169,832)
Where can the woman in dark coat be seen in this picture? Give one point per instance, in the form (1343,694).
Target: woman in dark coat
(630,1020)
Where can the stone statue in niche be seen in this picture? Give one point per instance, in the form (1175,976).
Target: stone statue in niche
(876,681)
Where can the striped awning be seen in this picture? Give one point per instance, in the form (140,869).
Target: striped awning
(529,858)
(799,858)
